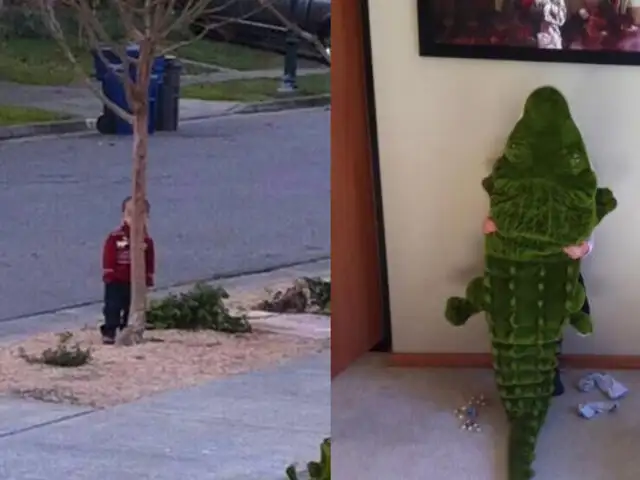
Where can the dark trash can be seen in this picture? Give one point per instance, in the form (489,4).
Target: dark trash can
(168,104)
(106,123)
(113,88)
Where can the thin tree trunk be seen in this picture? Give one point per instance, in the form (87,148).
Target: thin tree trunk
(138,266)
(133,334)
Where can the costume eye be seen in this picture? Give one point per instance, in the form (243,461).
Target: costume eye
(575,159)
(515,153)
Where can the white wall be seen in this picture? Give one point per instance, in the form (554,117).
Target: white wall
(440,123)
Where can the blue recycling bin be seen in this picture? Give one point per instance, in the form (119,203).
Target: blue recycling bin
(113,88)
(113,59)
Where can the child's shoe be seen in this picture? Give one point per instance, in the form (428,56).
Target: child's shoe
(107,338)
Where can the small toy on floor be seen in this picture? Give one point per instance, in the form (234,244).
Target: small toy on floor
(468,413)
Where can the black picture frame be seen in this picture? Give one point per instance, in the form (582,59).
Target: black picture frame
(430,47)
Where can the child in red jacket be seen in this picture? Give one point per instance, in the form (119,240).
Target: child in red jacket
(116,273)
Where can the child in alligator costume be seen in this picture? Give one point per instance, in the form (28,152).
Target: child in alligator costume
(543,197)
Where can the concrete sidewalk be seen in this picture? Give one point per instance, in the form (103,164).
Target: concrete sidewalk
(82,103)
(247,427)
(78,316)
(226,76)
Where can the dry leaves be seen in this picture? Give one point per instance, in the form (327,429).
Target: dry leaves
(166,360)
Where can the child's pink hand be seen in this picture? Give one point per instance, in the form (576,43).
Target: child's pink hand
(489,226)
(576,252)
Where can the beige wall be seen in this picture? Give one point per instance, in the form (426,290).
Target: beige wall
(440,122)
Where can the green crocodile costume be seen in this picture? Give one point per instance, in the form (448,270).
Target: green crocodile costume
(543,197)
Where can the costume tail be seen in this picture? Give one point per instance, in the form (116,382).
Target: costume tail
(523,437)
(524,376)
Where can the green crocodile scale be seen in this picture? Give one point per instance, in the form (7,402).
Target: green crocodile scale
(543,196)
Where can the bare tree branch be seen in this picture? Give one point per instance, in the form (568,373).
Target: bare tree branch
(290,24)
(205,30)
(195,13)
(126,16)
(190,12)
(58,35)
(168,14)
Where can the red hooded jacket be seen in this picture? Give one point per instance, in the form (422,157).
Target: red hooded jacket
(116,258)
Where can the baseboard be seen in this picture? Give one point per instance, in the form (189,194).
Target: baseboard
(483,360)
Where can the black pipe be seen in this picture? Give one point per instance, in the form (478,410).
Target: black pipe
(290,76)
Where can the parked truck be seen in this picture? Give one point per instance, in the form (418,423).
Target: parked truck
(244,22)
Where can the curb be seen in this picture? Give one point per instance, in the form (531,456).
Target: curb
(68,317)
(312,101)
(89,124)
(283,104)
(49,128)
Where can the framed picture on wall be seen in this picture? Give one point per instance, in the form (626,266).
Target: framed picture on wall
(582,31)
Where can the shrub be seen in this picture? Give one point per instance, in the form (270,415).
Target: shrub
(319,293)
(18,21)
(306,295)
(63,355)
(201,308)
(292,300)
(316,470)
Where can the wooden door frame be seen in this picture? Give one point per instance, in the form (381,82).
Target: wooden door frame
(386,341)
(360,299)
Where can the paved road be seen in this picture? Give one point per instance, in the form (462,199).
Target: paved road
(228,195)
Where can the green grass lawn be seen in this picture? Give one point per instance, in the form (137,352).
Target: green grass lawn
(256,90)
(235,57)
(10,115)
(38,62)
(41,61)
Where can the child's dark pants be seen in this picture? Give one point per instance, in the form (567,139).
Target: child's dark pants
(117,297)
(558,387)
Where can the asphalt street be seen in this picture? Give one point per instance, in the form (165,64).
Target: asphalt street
(228,195)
